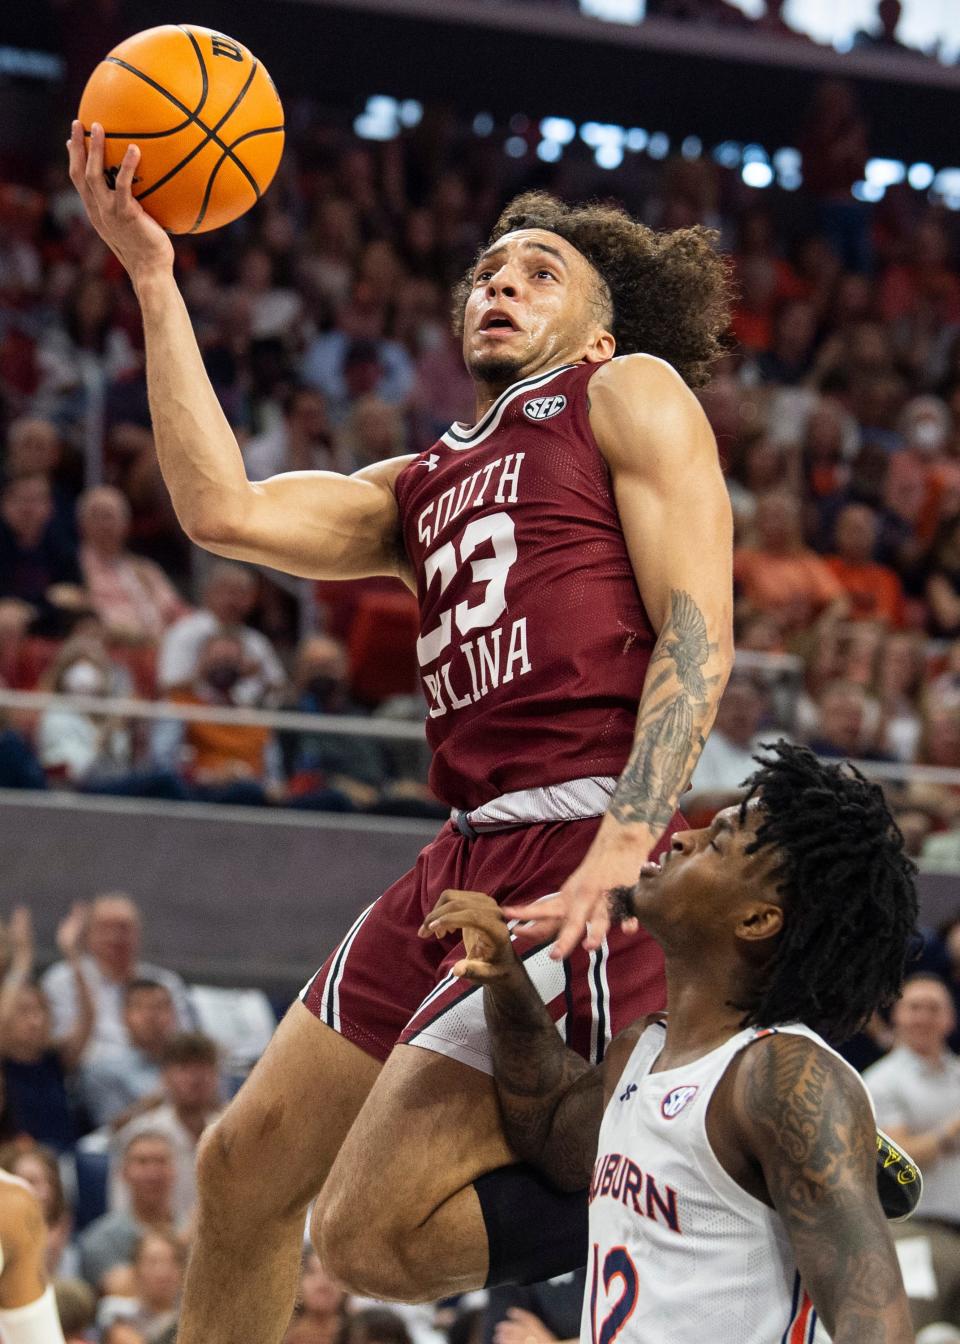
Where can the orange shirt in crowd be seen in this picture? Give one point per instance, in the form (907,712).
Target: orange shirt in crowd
(875,592)
(215,746)
(793,588)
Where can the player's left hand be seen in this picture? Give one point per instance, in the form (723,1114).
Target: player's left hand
(582,910)
(486,938)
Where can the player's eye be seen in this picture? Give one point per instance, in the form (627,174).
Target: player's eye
(714,845)
(549,274)
(482,275)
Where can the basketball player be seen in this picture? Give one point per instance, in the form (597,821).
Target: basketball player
(28,1312)
(571,552)
(730,1153)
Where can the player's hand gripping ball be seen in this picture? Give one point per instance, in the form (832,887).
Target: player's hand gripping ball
(205,115)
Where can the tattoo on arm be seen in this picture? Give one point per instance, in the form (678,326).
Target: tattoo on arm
(551,1100)
(809,1126)
(676,710)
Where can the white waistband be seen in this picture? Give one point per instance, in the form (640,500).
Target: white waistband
(574,800)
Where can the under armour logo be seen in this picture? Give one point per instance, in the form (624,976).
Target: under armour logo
(627,1092)
(429,462)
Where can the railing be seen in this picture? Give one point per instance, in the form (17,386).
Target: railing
(36,702)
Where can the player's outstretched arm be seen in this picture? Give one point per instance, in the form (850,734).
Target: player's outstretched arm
(805,1120)
(315,524)
(677,524)
(551,1100)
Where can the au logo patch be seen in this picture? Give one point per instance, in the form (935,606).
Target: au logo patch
(675,1101)
(544,408)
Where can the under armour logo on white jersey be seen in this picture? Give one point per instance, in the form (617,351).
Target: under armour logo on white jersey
(430,462)
(544,408)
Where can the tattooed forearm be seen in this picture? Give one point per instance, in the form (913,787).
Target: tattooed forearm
(551,1100)
(684,682)
(810,1128)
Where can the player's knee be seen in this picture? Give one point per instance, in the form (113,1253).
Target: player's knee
(365,1256)
(229,1171)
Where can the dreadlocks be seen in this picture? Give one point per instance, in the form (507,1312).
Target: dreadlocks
(850,904)
(664,294)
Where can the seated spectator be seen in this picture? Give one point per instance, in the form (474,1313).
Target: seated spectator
(77,1309)
(193,1098)
(898,686)
(220,762)
(874,591)
(372,432)
(91,751)
(388,368)
(301,441)
(321,1302)
(321,762)
(147,1294)
(847,722)
(727,756)
(39,1166)
(942,588)
(229,595)
(376,1325)
(37,564)
(35,448)
(789,358)
(274,311)
(122,1332)
(35,1063)
(111,961)
(147,1172)
(119,1082)
(132,596)
(916,1092)
(780,576)
(19,766)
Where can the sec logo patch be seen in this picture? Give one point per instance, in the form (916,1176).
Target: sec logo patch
(675,1101)
(544,408)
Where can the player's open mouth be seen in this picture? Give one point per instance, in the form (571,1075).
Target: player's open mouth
(650,869)
(498,323)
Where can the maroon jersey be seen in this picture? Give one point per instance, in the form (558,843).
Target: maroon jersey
(534,642)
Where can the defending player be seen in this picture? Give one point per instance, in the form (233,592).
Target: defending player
(28,1312)
(571,553)
(730,1153)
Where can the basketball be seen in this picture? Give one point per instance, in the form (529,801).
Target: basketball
(205,115)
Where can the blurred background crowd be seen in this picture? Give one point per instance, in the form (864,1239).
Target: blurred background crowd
(324,321)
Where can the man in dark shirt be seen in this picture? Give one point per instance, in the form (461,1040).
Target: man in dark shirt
(34,555)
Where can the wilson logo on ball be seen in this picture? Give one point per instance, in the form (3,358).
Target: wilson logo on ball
(544,408)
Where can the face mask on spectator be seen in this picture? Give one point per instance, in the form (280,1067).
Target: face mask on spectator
(927,437)
(223,676)
(83,679)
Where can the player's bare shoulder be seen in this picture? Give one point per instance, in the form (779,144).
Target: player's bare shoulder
(21,1217)
(641,410)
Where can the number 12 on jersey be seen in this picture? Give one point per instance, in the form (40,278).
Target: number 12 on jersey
(617,1265)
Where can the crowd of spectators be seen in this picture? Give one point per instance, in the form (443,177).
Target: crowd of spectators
(323,317)
(108,1078)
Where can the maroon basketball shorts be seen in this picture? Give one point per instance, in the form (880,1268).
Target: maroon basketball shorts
(385,986)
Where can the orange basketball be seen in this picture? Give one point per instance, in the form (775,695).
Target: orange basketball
(205,115)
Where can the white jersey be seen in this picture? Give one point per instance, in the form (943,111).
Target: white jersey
(679,1252)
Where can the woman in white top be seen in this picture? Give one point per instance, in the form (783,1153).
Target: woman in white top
(28,1313)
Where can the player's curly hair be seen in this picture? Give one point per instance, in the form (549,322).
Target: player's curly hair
(849,898)
(664,294)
